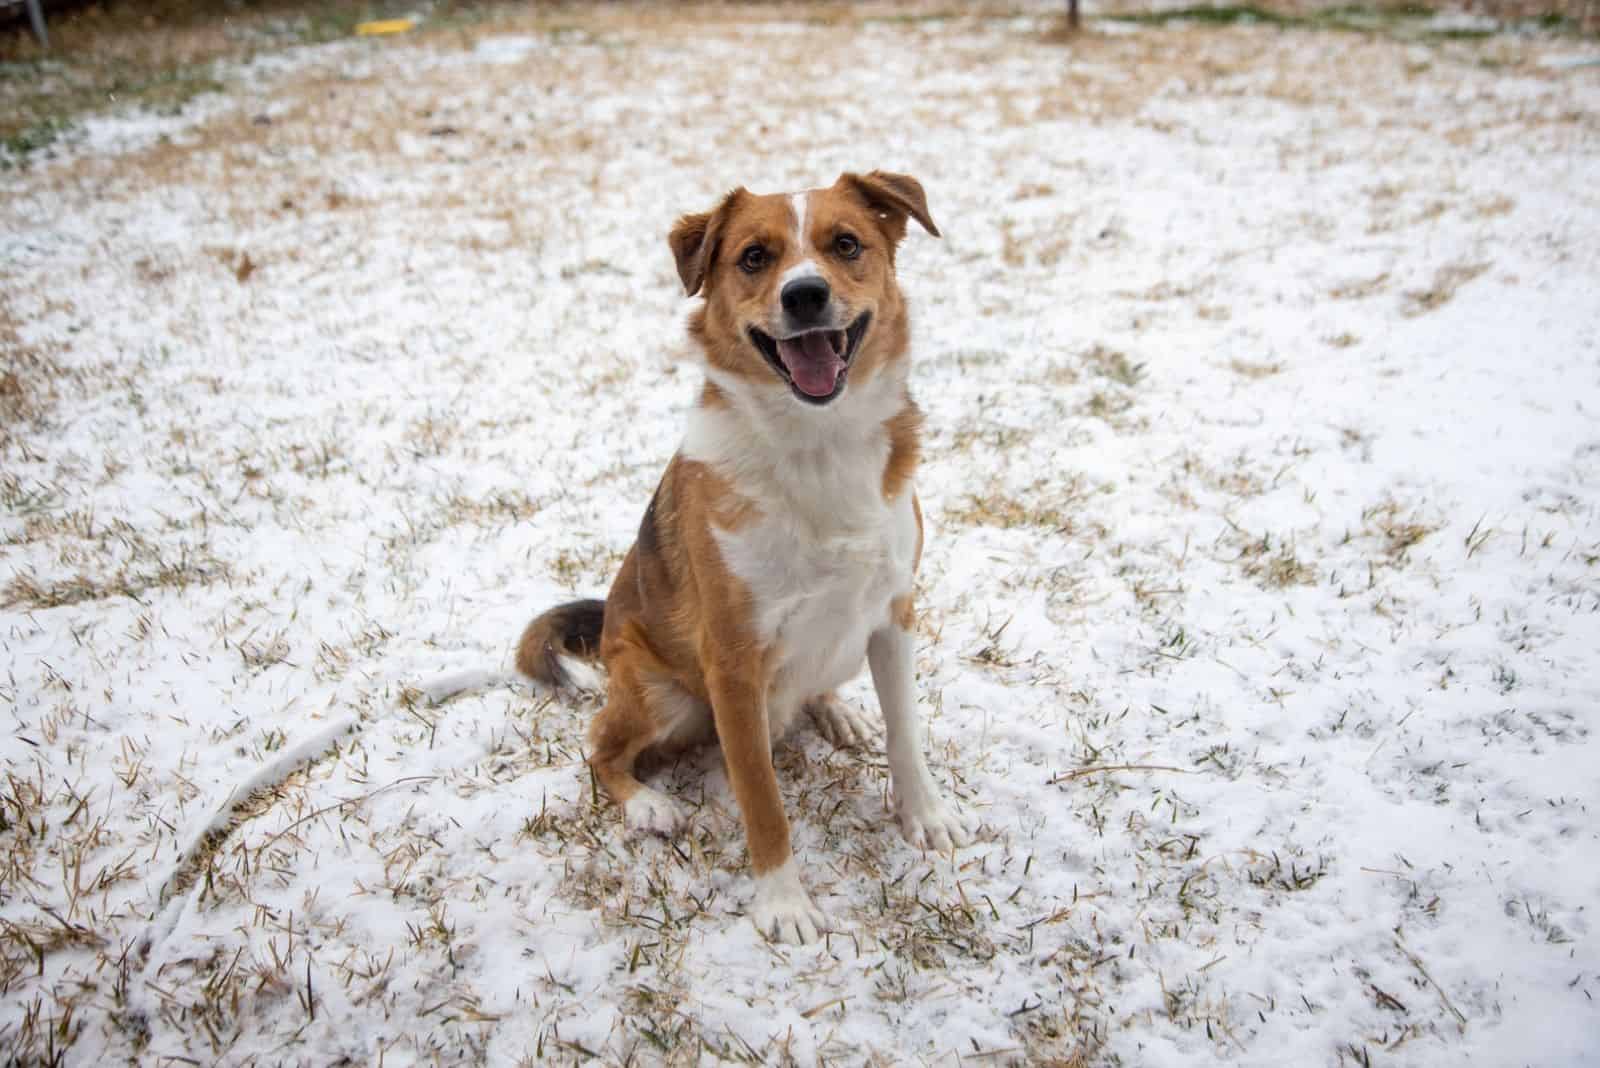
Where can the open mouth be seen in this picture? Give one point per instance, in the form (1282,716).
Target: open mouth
(814,363)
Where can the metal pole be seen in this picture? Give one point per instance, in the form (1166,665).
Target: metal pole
(36,20)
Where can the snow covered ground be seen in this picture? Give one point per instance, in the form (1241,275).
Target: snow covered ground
(1262,590)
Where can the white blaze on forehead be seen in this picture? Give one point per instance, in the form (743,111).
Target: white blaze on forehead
(807,267)
(801,202)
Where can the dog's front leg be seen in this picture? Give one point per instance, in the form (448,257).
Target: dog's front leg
(926,820)
(782,910)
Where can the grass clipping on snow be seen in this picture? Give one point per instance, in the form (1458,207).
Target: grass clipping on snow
(1260,596)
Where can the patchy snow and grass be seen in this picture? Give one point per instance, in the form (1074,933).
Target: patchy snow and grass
(1262,590)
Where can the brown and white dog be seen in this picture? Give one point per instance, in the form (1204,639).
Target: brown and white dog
(779,549)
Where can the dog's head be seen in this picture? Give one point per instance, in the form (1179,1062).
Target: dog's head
(799,289)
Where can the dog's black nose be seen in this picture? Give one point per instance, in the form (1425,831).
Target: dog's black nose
(804,299)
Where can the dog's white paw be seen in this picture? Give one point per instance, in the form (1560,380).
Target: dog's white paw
(935,825)
(783,911)
(653,812)
(840,723)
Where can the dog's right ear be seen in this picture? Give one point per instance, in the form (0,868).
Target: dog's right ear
(694,240)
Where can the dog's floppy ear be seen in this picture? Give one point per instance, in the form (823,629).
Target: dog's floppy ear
(894,197)
(694,239)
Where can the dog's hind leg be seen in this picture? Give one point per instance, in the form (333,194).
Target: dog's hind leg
(839,722)
(625,728)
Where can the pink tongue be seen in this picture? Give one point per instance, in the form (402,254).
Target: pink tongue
(811,362)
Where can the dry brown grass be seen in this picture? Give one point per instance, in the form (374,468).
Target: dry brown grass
(1051,503)
(1109,363)
(1255,369)
(1272,562)
(1005,512)
(1361,288)
(29,378)
(108,560)
(1442,289)
(1394,530)
(156,53)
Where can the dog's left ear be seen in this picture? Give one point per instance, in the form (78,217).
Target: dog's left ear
(893,197)
(694,240)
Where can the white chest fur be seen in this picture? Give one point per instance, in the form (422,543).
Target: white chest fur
(821,584)
(828,554)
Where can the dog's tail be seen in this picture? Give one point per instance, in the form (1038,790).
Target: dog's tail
(558,649)
(561,646)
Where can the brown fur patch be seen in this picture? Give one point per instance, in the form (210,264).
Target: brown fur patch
(903,611)
(905,448)
(916,510)
(711,396)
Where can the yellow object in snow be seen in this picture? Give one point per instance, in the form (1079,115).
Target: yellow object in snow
(382,26)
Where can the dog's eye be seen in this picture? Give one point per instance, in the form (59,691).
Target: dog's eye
(754,258)
(847,246)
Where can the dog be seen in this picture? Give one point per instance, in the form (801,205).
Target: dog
(779,550)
